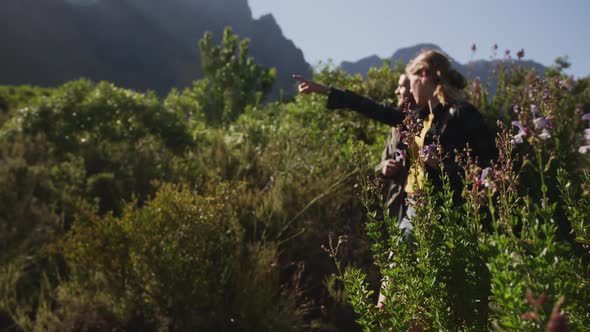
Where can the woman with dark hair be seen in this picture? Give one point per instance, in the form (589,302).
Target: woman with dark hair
(393,167)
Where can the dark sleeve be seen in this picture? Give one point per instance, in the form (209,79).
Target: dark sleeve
(479,137)
(377,111)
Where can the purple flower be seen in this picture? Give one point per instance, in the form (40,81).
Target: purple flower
(522,132)
(404,136)
(534,110)
(544,135)
(586,148)
(541,123)
(429,148)
(520,53)
(429,156)
(521,128)
(473,47)
(586,116)
(399,155)
(485,180)
(484,173)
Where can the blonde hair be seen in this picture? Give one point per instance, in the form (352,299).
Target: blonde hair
(449,82)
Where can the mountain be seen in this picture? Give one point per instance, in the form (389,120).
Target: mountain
(483,69)
(137,44)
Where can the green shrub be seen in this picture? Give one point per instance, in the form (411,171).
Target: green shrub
(523,272)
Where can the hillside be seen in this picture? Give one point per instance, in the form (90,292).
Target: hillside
(138,44)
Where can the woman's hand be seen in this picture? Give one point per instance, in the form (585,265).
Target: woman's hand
(392,168)
(306,86)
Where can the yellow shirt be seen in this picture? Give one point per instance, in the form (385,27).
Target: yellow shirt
(417,173)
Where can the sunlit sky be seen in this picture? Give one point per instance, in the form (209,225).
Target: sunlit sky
(350,30)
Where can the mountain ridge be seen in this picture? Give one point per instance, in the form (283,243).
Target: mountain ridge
(483,69)
(153,45)
(137,44)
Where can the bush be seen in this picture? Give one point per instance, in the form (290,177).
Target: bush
(521,272)
(122,211)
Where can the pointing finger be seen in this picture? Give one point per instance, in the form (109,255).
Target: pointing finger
(299,78)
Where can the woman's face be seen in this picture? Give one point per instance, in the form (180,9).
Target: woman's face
(421,87)
(402,92)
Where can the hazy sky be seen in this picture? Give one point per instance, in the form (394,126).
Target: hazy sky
(350,30)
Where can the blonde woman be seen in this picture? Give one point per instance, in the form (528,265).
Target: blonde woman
(446,119)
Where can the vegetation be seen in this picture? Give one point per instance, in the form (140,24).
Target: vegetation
(208,210)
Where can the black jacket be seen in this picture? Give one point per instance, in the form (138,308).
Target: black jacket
(393,187)
(457,125)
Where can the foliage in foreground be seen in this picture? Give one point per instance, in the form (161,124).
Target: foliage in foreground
(514,254)
(199,212)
